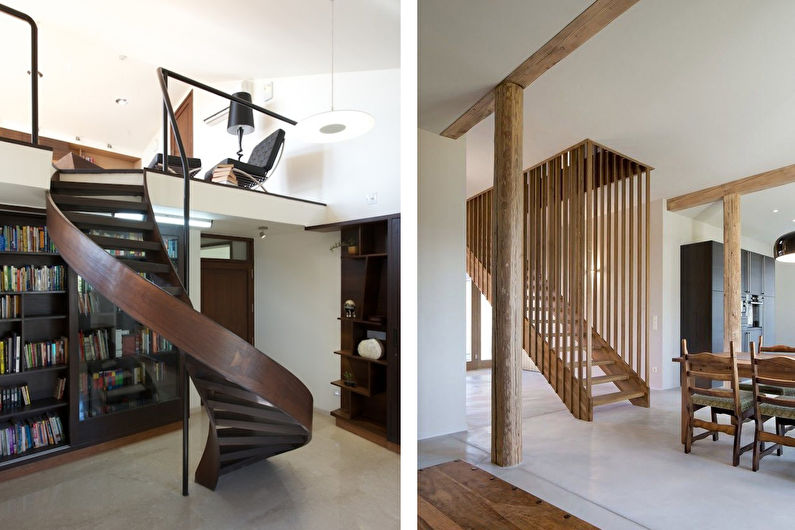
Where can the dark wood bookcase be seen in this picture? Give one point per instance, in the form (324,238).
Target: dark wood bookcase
(370,277)
(51,315)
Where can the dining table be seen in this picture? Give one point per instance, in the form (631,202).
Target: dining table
(744,370)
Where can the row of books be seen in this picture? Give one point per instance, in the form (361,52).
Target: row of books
(111,379)
(15,357)
(30,278)
(88,303)
(10,306)
(94,345)
(14,397)
(33,433)
(20,238)
(148,341)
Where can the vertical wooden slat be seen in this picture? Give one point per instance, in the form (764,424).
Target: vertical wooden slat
(639,273)
(546,307)
(631,264)
(623,278)
(591,260)
(555,288)
(616,266)
(565,348)
(648,244)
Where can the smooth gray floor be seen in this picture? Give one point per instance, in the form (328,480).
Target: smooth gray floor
(627,468)
(338,480)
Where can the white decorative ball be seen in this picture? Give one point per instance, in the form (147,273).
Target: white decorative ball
(371,349)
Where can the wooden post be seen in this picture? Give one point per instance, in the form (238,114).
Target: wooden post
(475,325)
(731,270)
(507,232)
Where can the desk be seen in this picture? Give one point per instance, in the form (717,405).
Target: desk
(743,369)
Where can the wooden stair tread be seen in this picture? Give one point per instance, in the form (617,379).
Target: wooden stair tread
(263,451)
(230,390)
(145,266)
(92,204)
(270,414)
(224,441)
(93,221)
(124,244)
(96,188)
(593,363)
(614,397)
(257,426)
(602,379)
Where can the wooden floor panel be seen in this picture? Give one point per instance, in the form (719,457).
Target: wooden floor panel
(457,495)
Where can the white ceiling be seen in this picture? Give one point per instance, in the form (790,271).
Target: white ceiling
(759,220)
(703,91)
(467,46)
(80,44)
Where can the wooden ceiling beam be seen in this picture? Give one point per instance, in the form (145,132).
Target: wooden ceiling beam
(761,181)
(577,32)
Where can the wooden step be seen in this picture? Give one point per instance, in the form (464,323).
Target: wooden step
(258,440)
(602,379)
(230,390)
(173,290)
(593,363)
(146,266)
(91,204)
(254,411)
(96,188)
(222,421)
(262,452)
(605,399)
(87,220)
(124,244)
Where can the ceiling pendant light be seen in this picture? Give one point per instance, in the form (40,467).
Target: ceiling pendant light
(334,125)
(784,249)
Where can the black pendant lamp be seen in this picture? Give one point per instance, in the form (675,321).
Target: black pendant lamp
(784,249)
(241,120)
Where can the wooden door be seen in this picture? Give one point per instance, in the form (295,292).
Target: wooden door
(228,295)
(184,115)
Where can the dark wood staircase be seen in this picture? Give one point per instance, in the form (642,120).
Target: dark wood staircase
(256,408)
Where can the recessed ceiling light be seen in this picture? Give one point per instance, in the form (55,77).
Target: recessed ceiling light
(775,211)
(121,101)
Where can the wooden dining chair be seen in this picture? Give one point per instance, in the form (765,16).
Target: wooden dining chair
(779,372)
(770,389)
(737,404)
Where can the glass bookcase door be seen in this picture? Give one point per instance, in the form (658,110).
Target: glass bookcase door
(123,364)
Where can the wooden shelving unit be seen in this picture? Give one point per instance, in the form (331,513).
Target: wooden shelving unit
(370,274)
(43,316)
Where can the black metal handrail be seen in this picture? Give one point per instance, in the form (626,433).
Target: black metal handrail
(169,116)
(34,68)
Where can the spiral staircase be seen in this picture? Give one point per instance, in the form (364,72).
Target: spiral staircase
(256,408)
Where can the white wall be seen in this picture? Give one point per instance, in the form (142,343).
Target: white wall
(338,174)
(24,174)
(297,294)
(785,303)
(441,308)
(669,231)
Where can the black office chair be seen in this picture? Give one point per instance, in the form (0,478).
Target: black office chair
(262,161)
(175,164)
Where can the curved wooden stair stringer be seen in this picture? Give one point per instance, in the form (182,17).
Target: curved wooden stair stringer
(256,407)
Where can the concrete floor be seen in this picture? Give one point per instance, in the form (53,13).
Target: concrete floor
(626,469)
(338,480)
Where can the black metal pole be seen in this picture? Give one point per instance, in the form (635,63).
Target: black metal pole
(34,69)
(169,117)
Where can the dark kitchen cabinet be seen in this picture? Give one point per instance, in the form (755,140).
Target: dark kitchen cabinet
(755,266)
(769,276)
(701,296)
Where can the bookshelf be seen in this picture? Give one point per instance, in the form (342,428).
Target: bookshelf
(122,391)
(370,272)
(123,365)
(34,344)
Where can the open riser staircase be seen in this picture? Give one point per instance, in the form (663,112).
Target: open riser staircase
(586,273)
(256,408)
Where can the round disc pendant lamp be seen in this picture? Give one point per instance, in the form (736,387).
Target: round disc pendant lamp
(334,125)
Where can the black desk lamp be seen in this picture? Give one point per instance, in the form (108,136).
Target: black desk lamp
(241,120)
